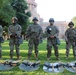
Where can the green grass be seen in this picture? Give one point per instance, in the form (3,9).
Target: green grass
(42,57)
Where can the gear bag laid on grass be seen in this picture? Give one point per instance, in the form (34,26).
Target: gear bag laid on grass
(29,66)
(8,65)
(53,67)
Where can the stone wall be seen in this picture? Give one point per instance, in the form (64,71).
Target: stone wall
(33,9)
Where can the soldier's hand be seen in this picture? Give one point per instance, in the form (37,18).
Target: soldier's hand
(26,39)
(15,35)
(38,38)
(52,37)
(12,36)
(67,42)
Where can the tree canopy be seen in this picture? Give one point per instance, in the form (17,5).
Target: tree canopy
(6,12)
(20,6)
(74,21)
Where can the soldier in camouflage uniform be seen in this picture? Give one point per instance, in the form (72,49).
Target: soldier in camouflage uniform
(14,31)
(33,33)
(1,32)
(70,39)
(52,33)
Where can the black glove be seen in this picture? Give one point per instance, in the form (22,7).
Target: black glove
(66,42)
(13,36)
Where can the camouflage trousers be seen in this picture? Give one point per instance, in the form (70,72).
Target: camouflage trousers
(0,50)
(68,46)
(33,43)
(14,43)
(51,43)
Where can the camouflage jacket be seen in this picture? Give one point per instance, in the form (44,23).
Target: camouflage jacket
(1,31)
(54,31)
(70,34)
(15,29)
(34,31)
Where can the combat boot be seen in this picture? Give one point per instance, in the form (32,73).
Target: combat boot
(11,57)
(36,57)
(57,58)
(29,56)
(74,57)
(66,57)
(18,57)
(48,58)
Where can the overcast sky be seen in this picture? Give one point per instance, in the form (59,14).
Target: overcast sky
(60,10)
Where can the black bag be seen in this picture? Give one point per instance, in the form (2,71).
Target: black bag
(1,40)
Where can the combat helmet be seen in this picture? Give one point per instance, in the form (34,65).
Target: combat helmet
(71,23)
(35,19)
(15,18)
(51,20)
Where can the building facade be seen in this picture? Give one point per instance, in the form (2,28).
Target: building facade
(62,25)
(32,7)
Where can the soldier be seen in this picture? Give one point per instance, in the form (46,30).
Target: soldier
(70,39)
(52,33)
(1,40)
(33,32)
(14,31)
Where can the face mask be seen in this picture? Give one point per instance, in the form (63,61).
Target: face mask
(51,24)
(14,23)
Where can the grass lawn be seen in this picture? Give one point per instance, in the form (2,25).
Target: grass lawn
(42,57)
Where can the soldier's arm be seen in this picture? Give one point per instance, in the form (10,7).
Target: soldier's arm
(28,32)
(66,35)
(1,31)
(9,31)
(19,31)
(40,32)
(57,32)
(46,33)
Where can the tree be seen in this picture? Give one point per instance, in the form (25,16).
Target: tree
(20,6)
(74,21)
(6,12)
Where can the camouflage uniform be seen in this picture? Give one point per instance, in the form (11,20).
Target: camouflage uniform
(70,40)
(14,33)
(52,41)
(34,33)
(1,32)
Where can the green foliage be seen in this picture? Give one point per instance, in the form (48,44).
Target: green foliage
(74,21)
(5,30)
(10,8)
(20,6)
(6,12)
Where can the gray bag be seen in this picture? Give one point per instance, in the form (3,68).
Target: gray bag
(20,40)
(57,41)
(8,65)
(29,66)
(71,67)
